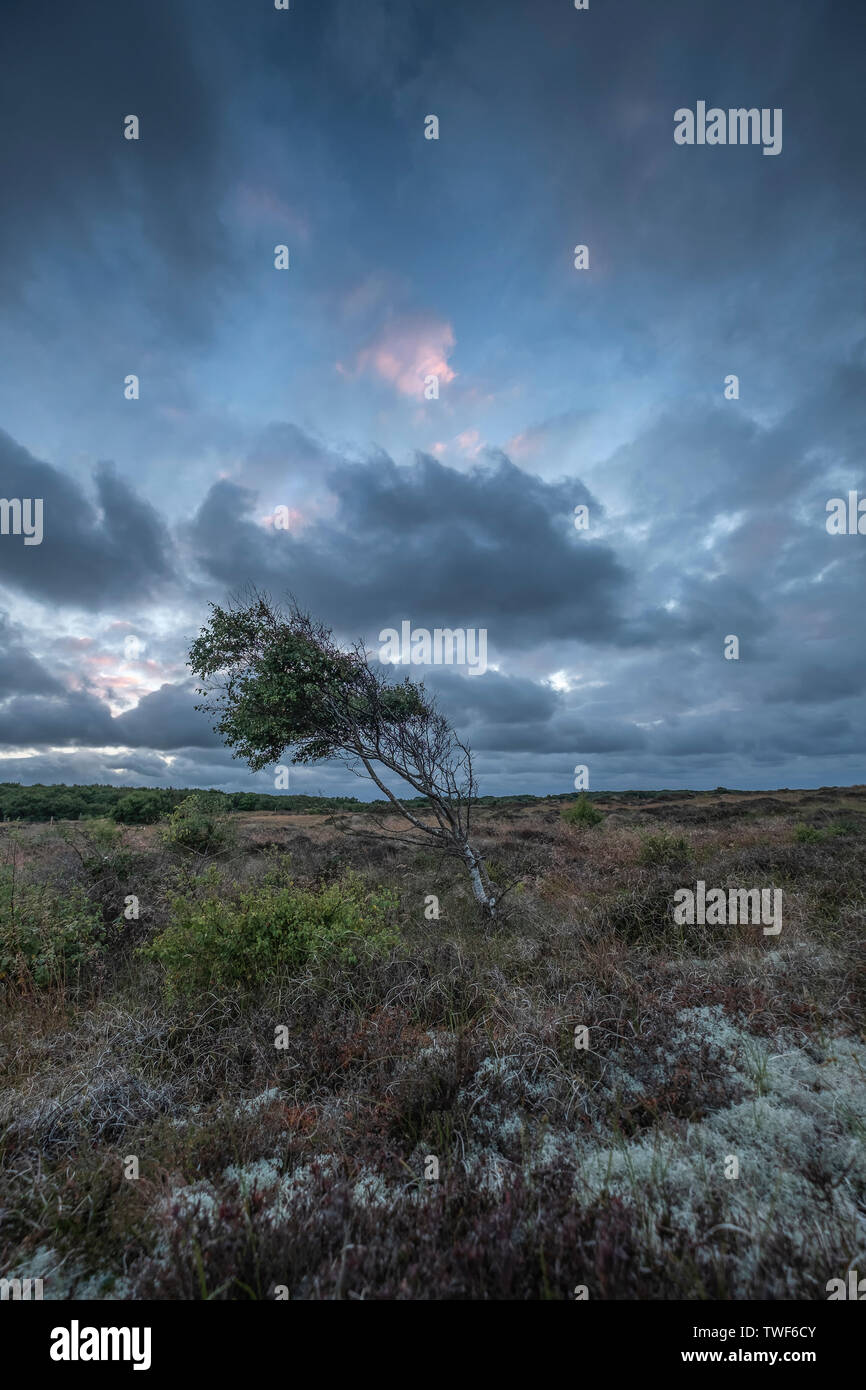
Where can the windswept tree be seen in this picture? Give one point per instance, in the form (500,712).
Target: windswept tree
(278,685)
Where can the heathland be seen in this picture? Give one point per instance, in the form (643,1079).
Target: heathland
(253,1053)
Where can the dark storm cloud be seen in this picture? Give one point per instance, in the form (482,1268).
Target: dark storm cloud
(714,219)
(71,718)
(836,672)
(167,719)
(92,556)
(491,548)
(20,672)
(282,450)
(71,74)
(87,766)
(591,737)
(495,697)
(557,127)
(566,736)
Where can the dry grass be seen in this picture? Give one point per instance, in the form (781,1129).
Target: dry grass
(304,1167)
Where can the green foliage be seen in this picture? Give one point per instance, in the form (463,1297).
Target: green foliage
(811,835)
(807,834)
(664,848)
(40,803)
(582,812)
(496,872)
(199,825)
(99,836)
(142,807)
(102,849)
(46,937)
(213,942)
(843,827)
(277,682)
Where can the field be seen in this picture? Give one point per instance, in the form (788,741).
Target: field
(314,1088)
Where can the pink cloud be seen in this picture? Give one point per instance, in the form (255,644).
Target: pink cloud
(522,446)
(470,442)
(406,351)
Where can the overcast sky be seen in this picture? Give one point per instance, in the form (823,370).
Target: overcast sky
(409,257)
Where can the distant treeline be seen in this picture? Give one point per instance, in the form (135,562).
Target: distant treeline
(144,805)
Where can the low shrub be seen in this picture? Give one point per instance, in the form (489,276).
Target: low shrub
(582,812)
(810,834)
(843,827)
(46,938)
(664,848)
(100,846)
(199,825)
(807,834)
(215,942)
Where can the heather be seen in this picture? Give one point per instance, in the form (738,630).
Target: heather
(332,1092)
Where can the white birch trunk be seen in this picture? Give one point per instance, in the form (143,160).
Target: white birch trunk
(483,896)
